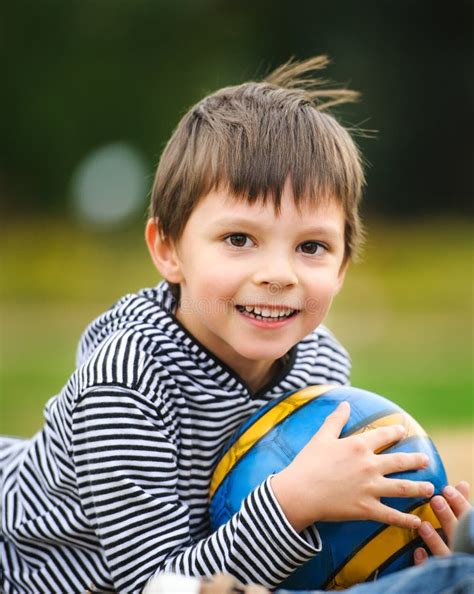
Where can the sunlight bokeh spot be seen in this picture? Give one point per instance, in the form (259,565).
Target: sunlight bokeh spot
(109,185)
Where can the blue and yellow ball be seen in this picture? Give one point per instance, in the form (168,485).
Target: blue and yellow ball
(353,551)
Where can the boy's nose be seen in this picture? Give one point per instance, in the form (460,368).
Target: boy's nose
(276,275)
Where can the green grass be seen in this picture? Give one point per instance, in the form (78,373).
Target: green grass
(405,313)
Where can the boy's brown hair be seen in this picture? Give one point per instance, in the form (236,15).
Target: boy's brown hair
(249,139)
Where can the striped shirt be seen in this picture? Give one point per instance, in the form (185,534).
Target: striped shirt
(114,488)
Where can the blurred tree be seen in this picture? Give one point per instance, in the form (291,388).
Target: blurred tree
(81,73)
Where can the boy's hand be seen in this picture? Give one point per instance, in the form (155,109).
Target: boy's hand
(447,509)
(343,479)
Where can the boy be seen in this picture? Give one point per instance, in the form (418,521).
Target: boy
(253,223)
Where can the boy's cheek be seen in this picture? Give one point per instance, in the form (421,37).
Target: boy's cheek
(321,292)
(317,307)
(217,284)
(210,298)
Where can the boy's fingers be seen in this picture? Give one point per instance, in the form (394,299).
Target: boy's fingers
(383,436)
(458,503)
(445,515)
(463,487)
(335,422)
(393,517)
(390,487)
(401,461)
(433,540)
(420,555)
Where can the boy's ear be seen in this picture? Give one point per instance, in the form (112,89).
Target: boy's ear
(163,252)
(341,275)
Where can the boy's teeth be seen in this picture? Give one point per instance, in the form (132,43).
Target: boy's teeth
(266,312)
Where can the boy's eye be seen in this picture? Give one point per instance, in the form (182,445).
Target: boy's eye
(312,247)
(238,240)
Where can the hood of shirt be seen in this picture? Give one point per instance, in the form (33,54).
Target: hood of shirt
(131,311)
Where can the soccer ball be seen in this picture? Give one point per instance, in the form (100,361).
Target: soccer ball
(353,551)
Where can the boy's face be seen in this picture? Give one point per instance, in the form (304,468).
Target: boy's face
(234,257)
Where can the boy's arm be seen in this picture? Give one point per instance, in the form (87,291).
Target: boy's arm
(127,479)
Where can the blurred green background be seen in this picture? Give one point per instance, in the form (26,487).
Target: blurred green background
(87,80)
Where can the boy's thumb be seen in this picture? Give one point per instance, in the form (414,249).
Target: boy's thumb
(335,422)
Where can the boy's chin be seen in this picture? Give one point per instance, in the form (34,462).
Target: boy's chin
(261,355)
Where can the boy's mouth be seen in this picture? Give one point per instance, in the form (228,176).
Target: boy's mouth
(270,314)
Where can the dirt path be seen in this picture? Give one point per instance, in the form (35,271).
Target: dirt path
(457,451)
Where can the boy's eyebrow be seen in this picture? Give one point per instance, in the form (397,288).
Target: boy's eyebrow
(236,222)
(327,229)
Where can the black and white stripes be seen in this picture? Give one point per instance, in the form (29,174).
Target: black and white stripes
(114,488)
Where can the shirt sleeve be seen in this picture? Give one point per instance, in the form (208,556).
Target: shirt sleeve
(127,471)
